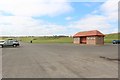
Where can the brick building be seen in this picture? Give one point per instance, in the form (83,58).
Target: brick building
(89,37)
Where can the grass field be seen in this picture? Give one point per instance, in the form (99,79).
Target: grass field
(47,39)
(108,39)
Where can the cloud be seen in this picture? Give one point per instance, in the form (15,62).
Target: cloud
(19,26)
(68,18)
(35,7)
(91,22)
(110,9)
(88,4)
(18,19)
(16,16)
(103,19)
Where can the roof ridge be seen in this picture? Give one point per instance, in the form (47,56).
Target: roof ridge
(89,33)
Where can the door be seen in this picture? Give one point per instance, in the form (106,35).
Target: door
(83,40)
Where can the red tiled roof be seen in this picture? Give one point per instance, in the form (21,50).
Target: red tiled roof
(89,33)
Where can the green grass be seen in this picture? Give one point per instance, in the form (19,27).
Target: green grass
(1,38)
(5,38)
(47,39)
(109,37)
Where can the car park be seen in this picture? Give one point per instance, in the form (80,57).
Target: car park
(116,41)
(5,43)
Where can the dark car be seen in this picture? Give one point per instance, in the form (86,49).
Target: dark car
(116,41)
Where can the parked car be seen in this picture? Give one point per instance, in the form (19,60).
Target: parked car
(10,42)
(116,41)
(2,42)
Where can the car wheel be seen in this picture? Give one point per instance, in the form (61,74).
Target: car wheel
(114,43)
(14,45)
(2,46)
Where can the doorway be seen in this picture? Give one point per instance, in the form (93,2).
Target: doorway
(83,40)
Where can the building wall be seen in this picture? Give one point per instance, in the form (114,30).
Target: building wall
(100,40)
(91,40)
(95,40)
(76,40)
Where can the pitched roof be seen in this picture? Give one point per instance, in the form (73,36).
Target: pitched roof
(89,33)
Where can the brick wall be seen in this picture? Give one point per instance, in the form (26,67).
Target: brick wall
(95,40)
(91,40)
(76,40)
(100,40)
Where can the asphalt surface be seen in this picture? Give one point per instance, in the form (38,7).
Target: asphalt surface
(59,61)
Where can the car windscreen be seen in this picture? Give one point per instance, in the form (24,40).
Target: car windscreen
(15,41)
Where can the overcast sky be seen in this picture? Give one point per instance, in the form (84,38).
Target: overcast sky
(57,17)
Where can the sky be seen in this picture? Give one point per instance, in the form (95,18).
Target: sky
(57,17)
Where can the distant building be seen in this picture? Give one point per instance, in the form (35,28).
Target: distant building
(89,37)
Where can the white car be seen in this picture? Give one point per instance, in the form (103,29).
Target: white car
(10,42)
(2,42)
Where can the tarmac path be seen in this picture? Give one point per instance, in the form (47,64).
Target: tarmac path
(59,61)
